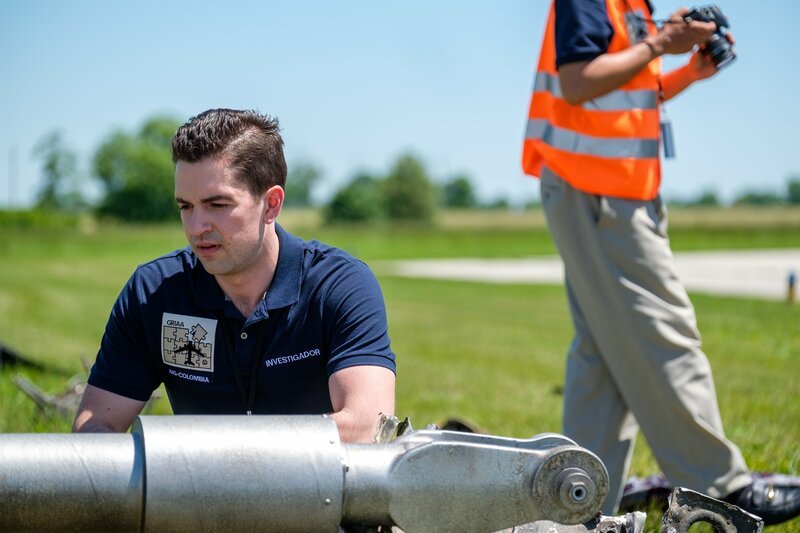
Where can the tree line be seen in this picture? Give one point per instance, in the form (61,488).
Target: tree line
(135,173)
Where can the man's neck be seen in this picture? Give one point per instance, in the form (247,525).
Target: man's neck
(247,289)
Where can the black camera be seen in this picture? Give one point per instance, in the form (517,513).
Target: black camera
(718,47)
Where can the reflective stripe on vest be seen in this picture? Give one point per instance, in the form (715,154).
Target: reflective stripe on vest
(618,100)
(577,143)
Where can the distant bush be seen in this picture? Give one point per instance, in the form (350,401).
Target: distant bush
(39,219)
(705,199)
(358,201)
(759,198)
(137,173)
(61,188)
(497,203)
(793,190)
(405,194)
(458,192)
(300,182)
(408,193)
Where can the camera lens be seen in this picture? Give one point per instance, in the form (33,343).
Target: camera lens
(720,50)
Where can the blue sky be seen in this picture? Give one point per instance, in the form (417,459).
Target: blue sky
(356,83)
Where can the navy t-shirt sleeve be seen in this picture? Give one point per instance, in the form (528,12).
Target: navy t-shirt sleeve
(122,364)
(583,30)
(357,325)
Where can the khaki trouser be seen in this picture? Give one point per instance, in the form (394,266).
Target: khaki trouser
(635,362)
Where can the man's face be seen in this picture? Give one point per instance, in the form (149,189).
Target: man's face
(223,222)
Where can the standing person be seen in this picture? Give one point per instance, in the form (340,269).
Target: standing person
(247,318)
(635,362)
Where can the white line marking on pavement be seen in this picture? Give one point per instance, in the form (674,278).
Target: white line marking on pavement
(760,274)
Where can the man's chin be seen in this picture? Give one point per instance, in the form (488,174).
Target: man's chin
(215,268)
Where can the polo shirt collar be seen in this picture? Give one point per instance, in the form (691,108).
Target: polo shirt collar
(285,287)
(282,292)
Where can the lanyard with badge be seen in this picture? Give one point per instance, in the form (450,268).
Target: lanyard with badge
(637,31)
(667,140)
(248,395)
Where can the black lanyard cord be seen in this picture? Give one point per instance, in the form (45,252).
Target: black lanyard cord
(249,395)
(650,19)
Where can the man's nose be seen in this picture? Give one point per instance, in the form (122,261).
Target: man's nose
(197,223)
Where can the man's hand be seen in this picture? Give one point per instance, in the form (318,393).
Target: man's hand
(699,67)
(702,66)
(677,36)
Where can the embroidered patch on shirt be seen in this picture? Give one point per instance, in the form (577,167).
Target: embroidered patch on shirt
(188,342)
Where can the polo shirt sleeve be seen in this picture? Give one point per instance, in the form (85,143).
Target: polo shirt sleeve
(122,365)
(583,30)
(356,320)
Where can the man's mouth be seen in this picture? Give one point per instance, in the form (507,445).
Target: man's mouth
(206,249)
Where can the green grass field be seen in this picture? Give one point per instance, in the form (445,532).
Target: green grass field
(490,353)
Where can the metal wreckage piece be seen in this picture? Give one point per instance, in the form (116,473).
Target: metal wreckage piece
(291,473)
(628,523)
(64,403)
(687,507)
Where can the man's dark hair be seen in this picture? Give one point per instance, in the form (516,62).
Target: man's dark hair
(249,142)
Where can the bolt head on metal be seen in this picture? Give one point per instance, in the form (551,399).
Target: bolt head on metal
(578,492)
(574,487)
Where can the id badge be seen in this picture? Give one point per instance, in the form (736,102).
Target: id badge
(667,140)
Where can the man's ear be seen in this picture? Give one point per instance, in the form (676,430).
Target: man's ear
(274,197)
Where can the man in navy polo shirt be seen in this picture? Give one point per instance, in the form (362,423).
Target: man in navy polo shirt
(247,318)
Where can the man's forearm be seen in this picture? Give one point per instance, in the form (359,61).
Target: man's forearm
(355,428)
(676,81)
(584,80)
(359,394)
(91,426)
(102,411)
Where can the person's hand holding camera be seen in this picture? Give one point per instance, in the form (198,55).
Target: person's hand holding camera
(687,30)
(701,66)
(677,36)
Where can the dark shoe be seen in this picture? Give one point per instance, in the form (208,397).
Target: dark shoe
(461,424)
(775,498)
(642,494)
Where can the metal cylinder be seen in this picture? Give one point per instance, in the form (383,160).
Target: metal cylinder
(63,482)
(366,493)
(235,473)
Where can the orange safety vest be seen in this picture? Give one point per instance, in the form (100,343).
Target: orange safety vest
(608,145)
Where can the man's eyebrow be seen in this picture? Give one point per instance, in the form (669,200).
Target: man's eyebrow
(207,200)
(216,198)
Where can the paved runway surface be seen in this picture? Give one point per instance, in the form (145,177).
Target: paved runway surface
(746,273)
